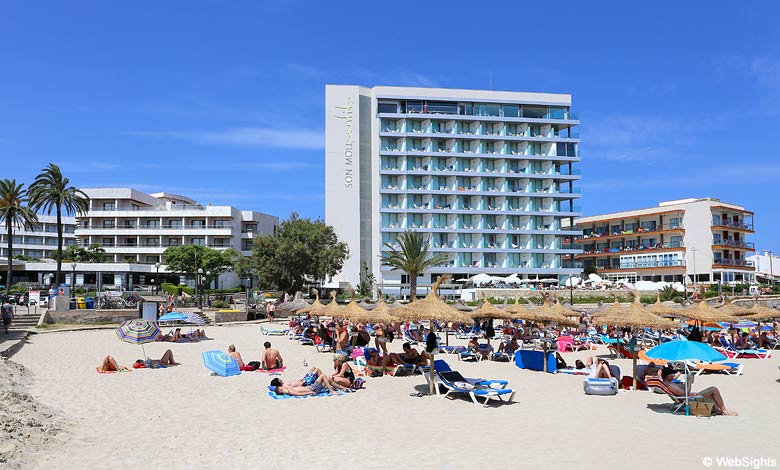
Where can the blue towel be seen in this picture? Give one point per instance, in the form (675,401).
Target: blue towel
(283,397)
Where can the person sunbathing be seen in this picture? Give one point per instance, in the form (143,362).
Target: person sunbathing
(510,347)
(599,368)
(237,356)
(272,359)
(109,365)
(343,374)
(409,356)
(165,360)
(712,393)
(321,384)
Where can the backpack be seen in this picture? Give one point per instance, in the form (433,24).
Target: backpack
(254,365)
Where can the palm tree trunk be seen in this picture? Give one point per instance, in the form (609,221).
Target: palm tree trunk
(413,285)
(10,228)
(59,248)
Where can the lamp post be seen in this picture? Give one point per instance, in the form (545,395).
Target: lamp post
(199,284)
(157,284)
(695,277)
(73,279)
(771,273)
(208,279)
(571,292)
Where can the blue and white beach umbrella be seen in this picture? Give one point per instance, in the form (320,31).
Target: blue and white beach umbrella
(220,363)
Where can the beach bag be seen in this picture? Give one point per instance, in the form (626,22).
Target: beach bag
(701,407)
(254,365)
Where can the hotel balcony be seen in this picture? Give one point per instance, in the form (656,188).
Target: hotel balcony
(604,235)
(726,263)
(733,244)
(730,225)
(637,250)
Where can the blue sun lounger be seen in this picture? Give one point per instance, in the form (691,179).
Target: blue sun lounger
(450,380)
(269,332)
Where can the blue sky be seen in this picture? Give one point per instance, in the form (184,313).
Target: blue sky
(224,101)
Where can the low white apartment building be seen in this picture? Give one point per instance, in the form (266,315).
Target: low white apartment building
(40,241)
(767,266)
(135,228)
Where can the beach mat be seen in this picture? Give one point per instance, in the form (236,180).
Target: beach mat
(272,371)
(322,394)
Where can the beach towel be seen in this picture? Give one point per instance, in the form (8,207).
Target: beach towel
(121,369)
(322,394)
(272,371)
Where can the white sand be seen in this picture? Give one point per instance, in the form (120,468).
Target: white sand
(183,417)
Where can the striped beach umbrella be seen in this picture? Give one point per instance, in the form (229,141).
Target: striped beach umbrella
(193,318)
(220,363)
(138,332)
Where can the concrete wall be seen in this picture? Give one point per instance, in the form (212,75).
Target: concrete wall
(223,317)
(89,317)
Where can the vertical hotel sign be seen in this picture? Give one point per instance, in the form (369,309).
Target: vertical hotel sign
(346,113)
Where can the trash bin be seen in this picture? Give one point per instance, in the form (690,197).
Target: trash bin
(80,303)
(90,302)
(72,305)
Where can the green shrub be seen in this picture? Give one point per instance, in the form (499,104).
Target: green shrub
(220,304)
(173,289)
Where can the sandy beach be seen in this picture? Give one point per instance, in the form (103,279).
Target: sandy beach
(182,417)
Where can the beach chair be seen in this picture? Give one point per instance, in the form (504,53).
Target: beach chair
(728,368)
(451,349)
(450,381)
(678,402)
(269,332)
(728,349)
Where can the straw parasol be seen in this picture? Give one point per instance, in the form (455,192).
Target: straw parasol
(758,313)
(490,312)
(316,305)
(352,311)
(732,309)
(433,309)
(330,309)
(635,316)
(659,308)
(545,314)
(704,312)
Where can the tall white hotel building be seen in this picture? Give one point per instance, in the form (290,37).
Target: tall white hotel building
(487,176)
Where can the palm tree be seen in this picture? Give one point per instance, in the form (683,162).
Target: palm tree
(412,257)
(50,192)
(14,213)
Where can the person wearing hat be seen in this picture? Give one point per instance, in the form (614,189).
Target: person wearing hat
(712,393)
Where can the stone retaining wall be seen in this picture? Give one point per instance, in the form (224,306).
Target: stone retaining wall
(89,317)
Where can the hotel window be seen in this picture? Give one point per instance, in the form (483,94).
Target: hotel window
(108,242)
(715,220)
(486,109)
(389,125)
(467,259)
(716,238)
(465,109)
(674,222)
(152,224)
(648,226)
(108,224)
(174,242)
(221,223)
(175,224)
(414,126)
(676,241)
(151,259)
(511,110)
(535,148)
(466,221)
(415,221)
(198,241)
(387,107)
(108,206)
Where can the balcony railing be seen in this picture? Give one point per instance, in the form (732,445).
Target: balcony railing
(732,262)
(648,264)
(665,246)
(734,243)
(731,224)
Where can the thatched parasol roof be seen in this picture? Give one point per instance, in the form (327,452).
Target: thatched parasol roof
(658,308)
(635,316)
(730,309)
(760,313)
(556,313)
(352,311)
(705,312)
(488,310)
(544,314)
(431,308)
(613,309)
(314,306)
(292,306)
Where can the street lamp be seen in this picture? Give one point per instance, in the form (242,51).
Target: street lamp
(199,282)
(771,273)
(695,277)
(157,284)
(73,278)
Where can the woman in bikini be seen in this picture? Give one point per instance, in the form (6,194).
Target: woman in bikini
(344,375)
(109,365)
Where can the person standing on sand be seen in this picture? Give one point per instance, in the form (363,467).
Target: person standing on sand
(8,314)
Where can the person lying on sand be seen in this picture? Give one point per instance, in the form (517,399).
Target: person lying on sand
(165,360)
(321,384)
(272,359)
(712,393)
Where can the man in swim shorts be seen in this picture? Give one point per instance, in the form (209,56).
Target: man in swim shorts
(271,358)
